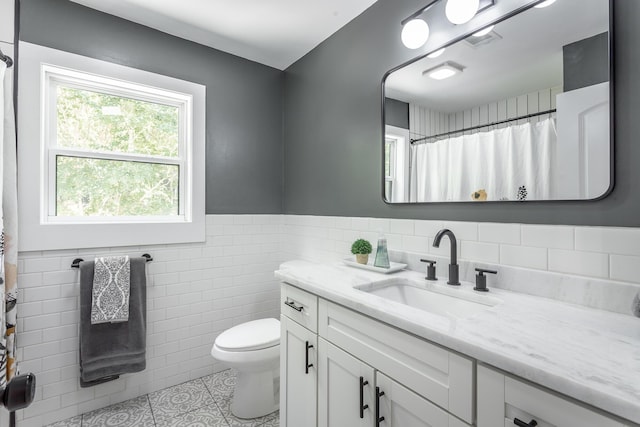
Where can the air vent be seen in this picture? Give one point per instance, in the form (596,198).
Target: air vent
(476,42)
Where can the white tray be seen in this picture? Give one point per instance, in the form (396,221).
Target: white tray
(393,266)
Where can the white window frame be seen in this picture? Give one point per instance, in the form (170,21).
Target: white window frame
(401,163)
(56,76)
(390,179)
(41,69)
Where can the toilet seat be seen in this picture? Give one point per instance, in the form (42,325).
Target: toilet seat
(254,360)
(250,336)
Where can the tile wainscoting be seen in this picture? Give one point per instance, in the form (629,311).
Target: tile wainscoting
(594,252)
(196,291)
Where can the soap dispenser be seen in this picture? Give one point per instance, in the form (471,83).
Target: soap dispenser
(382,255)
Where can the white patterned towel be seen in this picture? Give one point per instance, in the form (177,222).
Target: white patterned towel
(110,294)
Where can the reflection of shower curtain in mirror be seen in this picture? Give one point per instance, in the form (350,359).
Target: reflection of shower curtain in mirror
(500,162)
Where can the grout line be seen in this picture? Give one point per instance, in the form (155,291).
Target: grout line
(153,417)
(224,417)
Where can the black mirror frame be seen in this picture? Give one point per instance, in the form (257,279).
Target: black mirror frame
(506,16)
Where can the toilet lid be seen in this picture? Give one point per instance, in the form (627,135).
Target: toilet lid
(254,335)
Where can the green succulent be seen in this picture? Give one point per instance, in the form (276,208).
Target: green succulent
(361,246)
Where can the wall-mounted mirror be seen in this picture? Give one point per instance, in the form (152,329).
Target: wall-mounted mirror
(519,113)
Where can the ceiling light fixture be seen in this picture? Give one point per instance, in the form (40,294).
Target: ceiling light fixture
(484,31)
(415,33)
(545,4)
(415,30)
(461,11)
(436,53)
(444,70)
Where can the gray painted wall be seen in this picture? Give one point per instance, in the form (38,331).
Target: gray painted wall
(333,133)
(244,99)
(396,113)
(585,62)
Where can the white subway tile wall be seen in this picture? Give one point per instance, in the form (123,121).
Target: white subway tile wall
(590,264)
(548,236)
(481,252)
(196,291)
(621,241)
(499,233)
(596,252)
(523,256)
(624,268)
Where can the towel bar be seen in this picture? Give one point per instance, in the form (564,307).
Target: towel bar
(76,262)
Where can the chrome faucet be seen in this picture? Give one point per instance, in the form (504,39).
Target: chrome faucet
(454,269)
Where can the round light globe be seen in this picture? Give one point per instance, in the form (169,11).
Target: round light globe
(461,11)
(415,33)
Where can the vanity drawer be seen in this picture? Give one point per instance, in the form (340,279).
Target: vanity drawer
(441,376)
(300,306)
(502,398)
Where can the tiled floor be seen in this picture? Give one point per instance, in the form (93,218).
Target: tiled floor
(205,402)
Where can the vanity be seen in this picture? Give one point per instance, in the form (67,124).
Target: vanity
(355,353)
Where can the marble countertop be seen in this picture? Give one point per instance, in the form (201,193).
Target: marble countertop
(588,354)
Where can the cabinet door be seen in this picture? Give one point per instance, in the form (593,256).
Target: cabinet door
(345,389)
(298,375)
(400,407)
(442,376)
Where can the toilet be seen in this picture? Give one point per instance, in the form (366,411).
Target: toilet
(253,350)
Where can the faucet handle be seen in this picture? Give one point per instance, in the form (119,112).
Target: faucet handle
(481,279)
(431,269)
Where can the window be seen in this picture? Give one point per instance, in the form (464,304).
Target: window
(396,164)
(115,151)
(389,166)
(121,153)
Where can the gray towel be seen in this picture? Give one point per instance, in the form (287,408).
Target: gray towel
(110,349)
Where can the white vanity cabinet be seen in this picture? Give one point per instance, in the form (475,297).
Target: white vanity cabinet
(365,368)
(507,401)
(298,358)
(340,368)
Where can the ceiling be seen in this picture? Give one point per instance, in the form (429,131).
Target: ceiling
(527,58)
(272,32)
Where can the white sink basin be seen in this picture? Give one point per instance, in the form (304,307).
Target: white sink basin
(440,299)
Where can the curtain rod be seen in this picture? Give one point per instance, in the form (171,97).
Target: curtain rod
(528,116)
(6,59)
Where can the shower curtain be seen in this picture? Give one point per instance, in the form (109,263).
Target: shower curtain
(9,226)
(503,162)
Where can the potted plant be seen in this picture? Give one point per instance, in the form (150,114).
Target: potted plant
(361,248)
